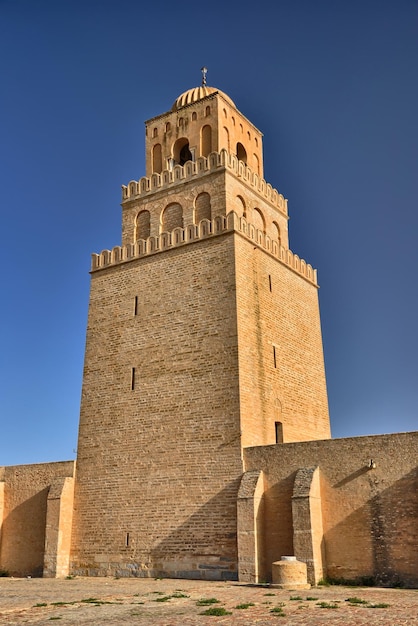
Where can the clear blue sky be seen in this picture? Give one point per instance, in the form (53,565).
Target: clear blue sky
(333,86)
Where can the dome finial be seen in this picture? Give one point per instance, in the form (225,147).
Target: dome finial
(204,71)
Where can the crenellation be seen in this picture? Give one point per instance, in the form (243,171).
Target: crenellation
(202,165)
(195,232)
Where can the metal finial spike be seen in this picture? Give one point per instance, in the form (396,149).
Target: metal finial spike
(204,71)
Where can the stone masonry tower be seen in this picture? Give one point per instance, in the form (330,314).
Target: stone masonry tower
(203,338)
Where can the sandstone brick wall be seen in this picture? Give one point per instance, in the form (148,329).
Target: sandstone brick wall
(22,527)
(282,377)
(369,516)
(159,464)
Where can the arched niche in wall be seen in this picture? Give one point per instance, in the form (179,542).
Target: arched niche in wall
(157,159)
(181,151)
(258,220)
(240,207)
(172,217)
(275,231)
(206,140)
(226,139)
(203,210)
(256,162)
(241,152)
(142,225)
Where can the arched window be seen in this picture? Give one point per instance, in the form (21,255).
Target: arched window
(167,127)
(278,424)
(181,151)
(241,152)
(155,132)
(225,113)
(202,209)
(172,217)
(157,159)
(142,225)
(206,140)
(207,111)
(194,116)
(258,220)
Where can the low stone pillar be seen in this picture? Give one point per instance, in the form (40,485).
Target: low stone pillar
(288,573)
(59,517)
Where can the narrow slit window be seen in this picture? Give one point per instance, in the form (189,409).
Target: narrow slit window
(136,305)
(278,427)
(127,540)
(133,378)
(274,357)
(270,282)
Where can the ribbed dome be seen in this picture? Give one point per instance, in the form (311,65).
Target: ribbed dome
(197,93)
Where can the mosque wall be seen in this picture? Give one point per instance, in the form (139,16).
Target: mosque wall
(24,493)
(368,506)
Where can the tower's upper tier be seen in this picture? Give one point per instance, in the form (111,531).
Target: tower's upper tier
(202,120)
(197,93)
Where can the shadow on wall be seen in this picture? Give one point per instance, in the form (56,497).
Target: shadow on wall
(205,545)
(380,539)
(23,537)
(278,523)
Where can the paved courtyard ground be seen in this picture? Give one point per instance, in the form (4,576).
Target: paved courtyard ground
(108,601)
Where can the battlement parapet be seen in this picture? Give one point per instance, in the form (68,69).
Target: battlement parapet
(204,230)
(202,165)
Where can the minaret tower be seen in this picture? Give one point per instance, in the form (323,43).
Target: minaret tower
(203,338)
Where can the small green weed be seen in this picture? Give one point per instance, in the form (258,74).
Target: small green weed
(179,594)
(90,600)
(277,610)
(356,601)
(311,598)
(40,604)
(216,610)
(207,601)
(4,573)
(327,605)
(270,594)
(295,598)
(245,605)
(379,605)
(61,603)
(162,599)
